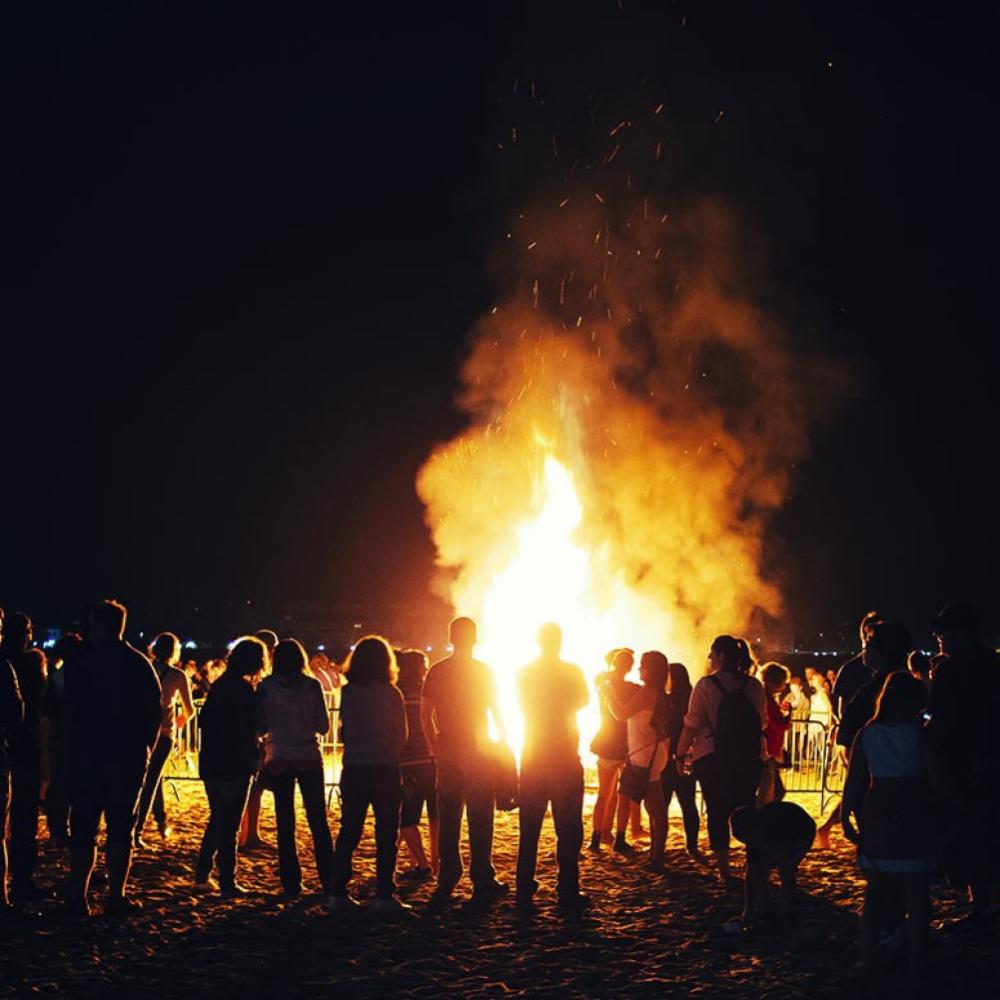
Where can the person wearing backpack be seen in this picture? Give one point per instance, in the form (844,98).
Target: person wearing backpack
(723,730)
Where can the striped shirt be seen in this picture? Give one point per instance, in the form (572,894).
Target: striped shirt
(416,750)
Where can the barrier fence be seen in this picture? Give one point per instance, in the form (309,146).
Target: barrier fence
(811,765)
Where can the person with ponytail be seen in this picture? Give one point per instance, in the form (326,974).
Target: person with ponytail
(723,730)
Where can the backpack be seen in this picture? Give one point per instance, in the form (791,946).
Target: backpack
(738,728)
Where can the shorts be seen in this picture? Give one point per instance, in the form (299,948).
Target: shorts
(111,792)
(419,786)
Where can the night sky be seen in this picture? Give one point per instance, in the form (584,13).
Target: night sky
(244,248)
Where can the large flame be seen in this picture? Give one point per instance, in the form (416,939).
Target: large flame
(634,421)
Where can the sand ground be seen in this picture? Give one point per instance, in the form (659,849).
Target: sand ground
(644,935)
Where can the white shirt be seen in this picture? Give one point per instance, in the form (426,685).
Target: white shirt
(703,708)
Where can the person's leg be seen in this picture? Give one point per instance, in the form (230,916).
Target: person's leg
(918,919)
(532,800)
(604,807)
(409,818)
(232,800)
(429,785)
(4,813)
(716,801)
(657,810)
(479,810)
(635,820)
(159,809)
(451,802)
(684,787)
(151,785)
(567,818)
(355,796)
(289,870)
(871,919)
(210,838)
(25,801)
(386,800)
(313,787)
(623,811)
(89,793)
(57,794)
(120,819)
(250,823)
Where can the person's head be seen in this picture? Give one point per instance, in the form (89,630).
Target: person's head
(810,673)
(888,647)
(166,648)
(319,662)
(372,661)
(268,637)
(288,659)
(775,677)
(107,622)
(823,684)
(462,635)
(66,647)
(248,657)
(679,682)
(654,669)
(868,622)
(795,682)
(412,664)
(18,632)
(919,664)
(730,655)
(550,639)
(745,824)
(620,660)
(831,676)
(902,699)
(957,628)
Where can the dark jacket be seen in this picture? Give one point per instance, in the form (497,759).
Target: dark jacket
(227,723)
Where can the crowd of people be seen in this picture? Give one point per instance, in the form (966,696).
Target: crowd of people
(87,731)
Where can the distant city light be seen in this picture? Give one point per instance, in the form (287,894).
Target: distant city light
(321,647)
(190,644)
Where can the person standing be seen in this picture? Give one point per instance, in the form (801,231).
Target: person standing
(674,778)
(292,716)
(374,718)
(724,730)
(228,760)
(250,838)
(28,756)
(551,692)
(11,716)
(165,652)
(459,697)
(774,677)
(56,711)
(115,704)
(610,746)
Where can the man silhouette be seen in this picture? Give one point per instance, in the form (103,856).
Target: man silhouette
(551,692)
(459,696)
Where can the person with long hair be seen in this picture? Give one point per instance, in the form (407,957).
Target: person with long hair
(646,713)
(417,770)
(292,717)
(674,779)
(228,761)
(610,746)
(888,813)
(724,729)
(375,731)
(175,688)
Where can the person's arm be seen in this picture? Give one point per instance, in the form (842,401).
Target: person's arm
(11,702)
(494,704)
(187,701)
(754,883)
(854,789)
(401,727)
(625,708)
(428,726)
(321,718)
(152,705)
(695,720)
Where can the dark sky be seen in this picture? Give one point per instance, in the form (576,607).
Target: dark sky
(244,248)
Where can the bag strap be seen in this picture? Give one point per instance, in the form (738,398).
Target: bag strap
(652,743)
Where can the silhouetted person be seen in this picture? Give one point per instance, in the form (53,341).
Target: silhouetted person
(888,795)
(724,731)
(886,651)
(965,706)
(374,720)
(675,780)
(855,673)
(228,760)
(250,839)
(57,711)
(292,716)
(115,705)
(610,746)
(774,677)
(459,696)
(777,836)
(165,651)
(417,769)
(28,755)
(551,692)
(11,716)
(646,715)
